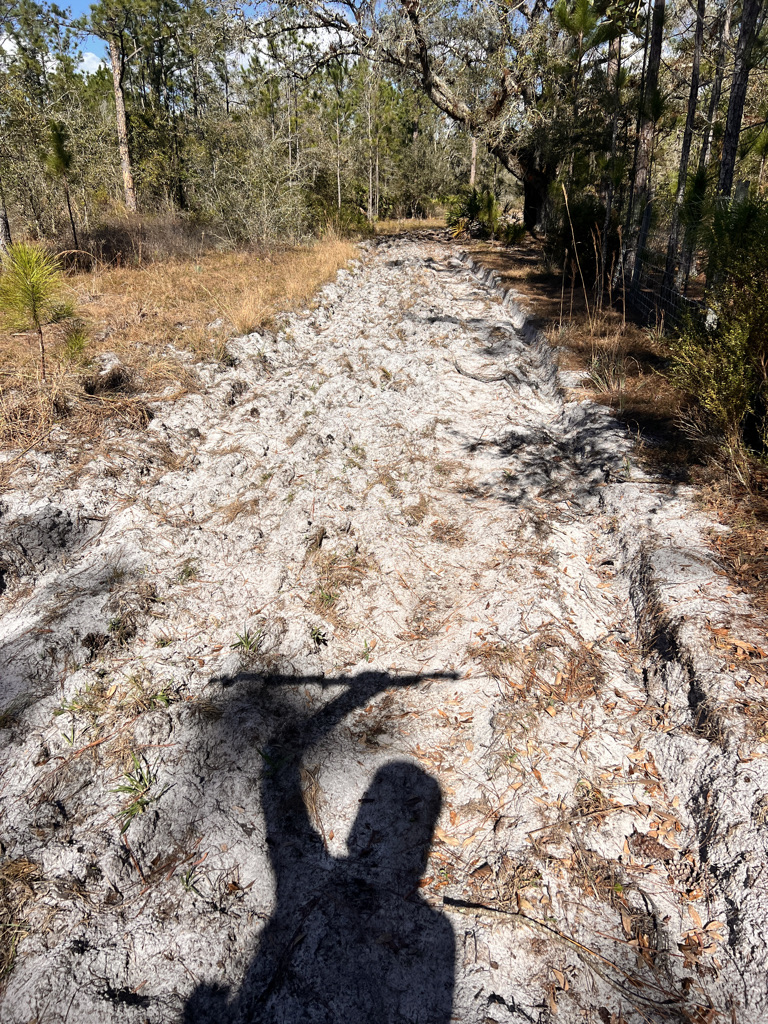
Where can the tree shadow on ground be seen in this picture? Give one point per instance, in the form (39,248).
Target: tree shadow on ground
(562,466)
(350,939)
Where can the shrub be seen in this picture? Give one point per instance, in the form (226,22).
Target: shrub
(477,212)
(721,356)
(585,220)
(474,211)
(513,234)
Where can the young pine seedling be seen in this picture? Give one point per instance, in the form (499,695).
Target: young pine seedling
(367,650)
(189,880)
(318,636)
(248,642)
(31,288)
(137,785)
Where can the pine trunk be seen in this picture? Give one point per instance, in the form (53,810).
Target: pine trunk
(685,155)
(41,340)
(122,126)
(717,86)
(749,18)
(641,213)
(71,216)
(614,69)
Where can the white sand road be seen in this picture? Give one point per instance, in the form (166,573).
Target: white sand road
(481,751)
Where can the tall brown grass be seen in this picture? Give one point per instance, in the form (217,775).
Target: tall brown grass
(399,225)
(144,314)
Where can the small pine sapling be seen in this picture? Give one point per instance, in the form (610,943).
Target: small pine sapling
(31,292)
(59,163)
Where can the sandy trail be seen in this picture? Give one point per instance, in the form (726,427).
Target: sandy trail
(415,699)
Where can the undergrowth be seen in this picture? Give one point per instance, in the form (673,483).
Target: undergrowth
(637,373)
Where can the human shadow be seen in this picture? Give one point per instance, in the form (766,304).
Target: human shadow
(350,939)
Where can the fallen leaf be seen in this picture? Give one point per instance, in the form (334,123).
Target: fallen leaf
(522,904)
(445,838)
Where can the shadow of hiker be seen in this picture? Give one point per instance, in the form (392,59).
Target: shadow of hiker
(350,940)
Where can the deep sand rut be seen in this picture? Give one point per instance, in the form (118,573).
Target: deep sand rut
(480,752)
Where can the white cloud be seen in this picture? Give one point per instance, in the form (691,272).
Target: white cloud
(90,63)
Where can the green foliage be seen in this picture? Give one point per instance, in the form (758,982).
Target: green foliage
(714,364)
(587,214)
(721,356)
(318,636)
(75,342)
(476,211)
(138,785)
(31,289)
(580,22)
(607,373)
(248,642)
(513,234)
(31,292)
(58,159)
(188,571)
(243,150)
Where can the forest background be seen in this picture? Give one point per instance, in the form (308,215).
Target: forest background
(629,136)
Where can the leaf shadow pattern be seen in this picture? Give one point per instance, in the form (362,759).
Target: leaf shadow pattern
(350,939)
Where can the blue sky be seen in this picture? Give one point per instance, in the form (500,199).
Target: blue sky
(93,48)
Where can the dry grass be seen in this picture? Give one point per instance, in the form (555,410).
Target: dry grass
(756,712)
(241,506)
(416,513)
(144,314)
(447,533)
(103,705)
(498,659)
(623,361)
(548,671)
(18,879)
(336,573)
(743,551)
(385,478)
(580,678)
(174,302)
(398,226)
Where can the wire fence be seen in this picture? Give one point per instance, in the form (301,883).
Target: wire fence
(653,294)
(652,298)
